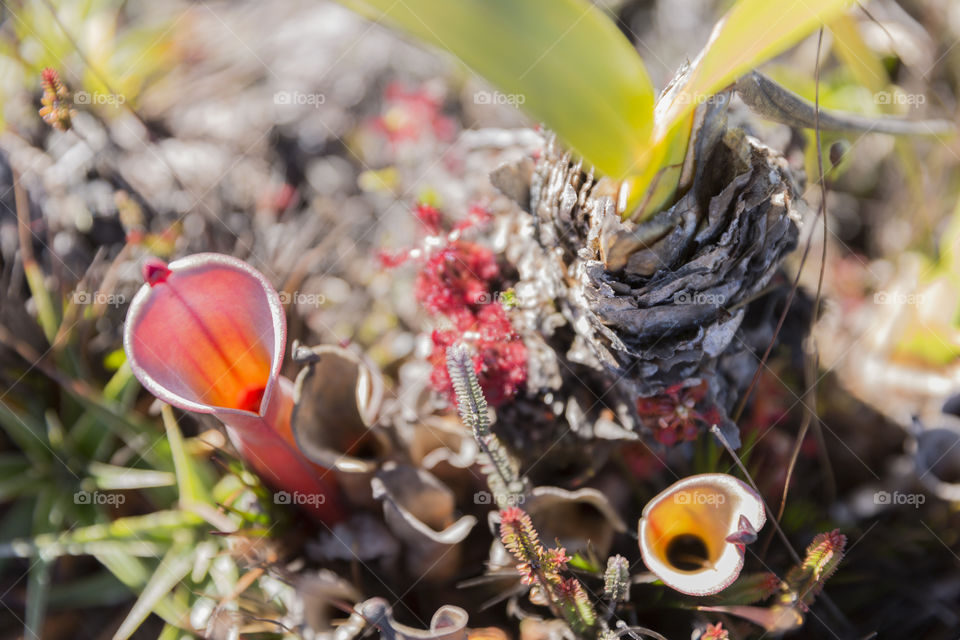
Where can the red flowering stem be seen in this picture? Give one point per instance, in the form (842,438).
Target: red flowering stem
(565,597)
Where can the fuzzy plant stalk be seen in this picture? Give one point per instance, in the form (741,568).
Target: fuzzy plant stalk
(206,333)
(541,568)
(821,561)
(616,584)
(798,590)
(500,469)
(616,579)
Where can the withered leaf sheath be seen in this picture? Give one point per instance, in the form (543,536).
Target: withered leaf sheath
(658,304)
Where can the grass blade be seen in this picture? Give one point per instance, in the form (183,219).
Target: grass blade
(108,476)
(131,534)
(101,589)
(173,568)
(192,490)
(29,436)
(134,573)
(38,592)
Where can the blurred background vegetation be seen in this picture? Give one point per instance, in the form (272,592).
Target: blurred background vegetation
(297,135)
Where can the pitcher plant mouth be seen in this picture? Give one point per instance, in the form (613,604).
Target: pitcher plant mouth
(206,333)
(693,534)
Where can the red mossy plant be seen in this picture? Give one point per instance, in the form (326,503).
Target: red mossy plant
(456,286)
(678,414)
(409,114)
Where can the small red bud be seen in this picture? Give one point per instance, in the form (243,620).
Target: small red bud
(745,534)
(155,271)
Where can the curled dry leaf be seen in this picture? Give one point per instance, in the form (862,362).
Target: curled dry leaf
(421,511)
(655,305)
(448,623)
(362,537)
(337,399)
(936,454)
(577,519)
(319,594)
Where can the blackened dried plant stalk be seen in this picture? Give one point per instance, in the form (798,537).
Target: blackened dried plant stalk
(500,469)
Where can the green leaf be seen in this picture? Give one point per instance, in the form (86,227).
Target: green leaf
(134,573)
(120,381)
(136,433)
(16,523)
(191,488)
(173,568)
(47,517)
(170,632)
(101,589)
(108,476)
(562,61)
(29,549)
(752,32)
(38,592)
(29,435)
(19,485)
(581,562)
(17,477)
(655,187)
(133,535)
(850,47)
(130,570)
(46,315)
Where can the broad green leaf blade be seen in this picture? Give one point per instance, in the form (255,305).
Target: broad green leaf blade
(751,33)
(850,47)
(654,188)
(173,568)
(562,61)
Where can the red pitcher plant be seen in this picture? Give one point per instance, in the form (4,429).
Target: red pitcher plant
(206,333)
